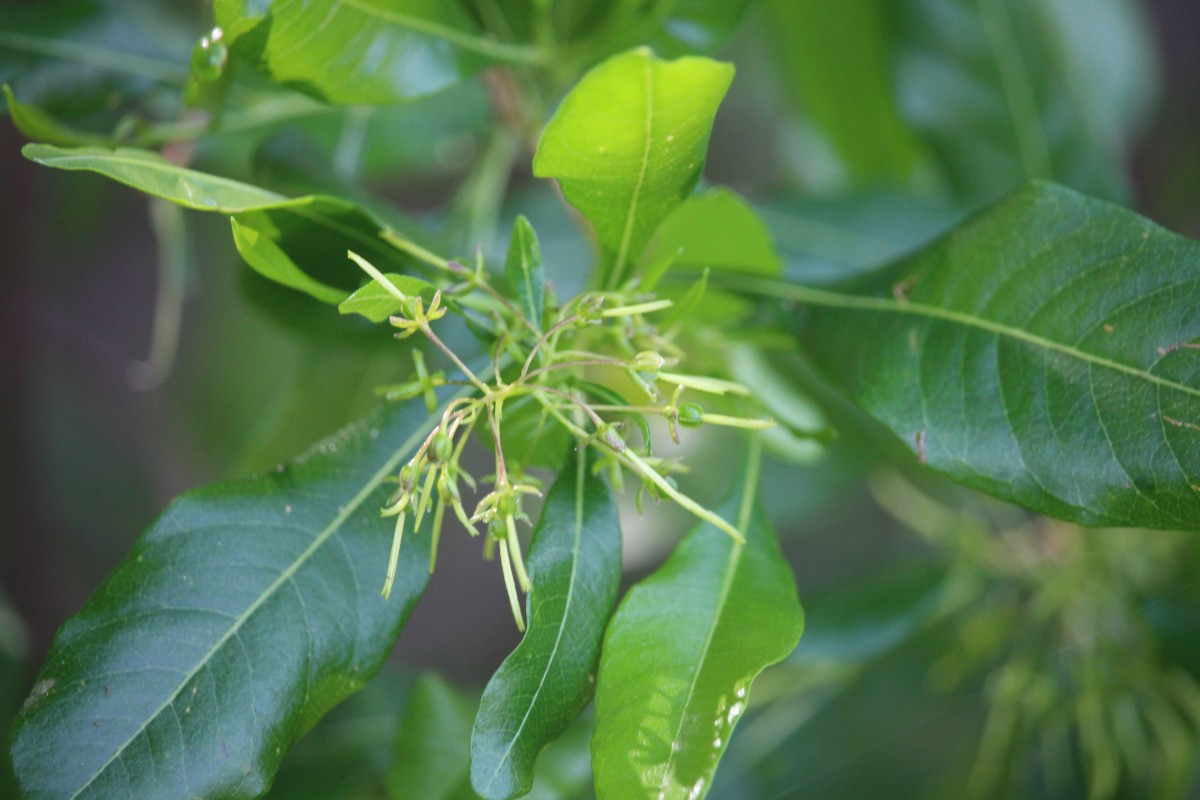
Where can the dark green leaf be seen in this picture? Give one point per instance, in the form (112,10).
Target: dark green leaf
(628,143)
(1007,90)
(433,745)
(539,690)
(312,232)
(523,270)
(1042,352)
(680,655)
(699,26)
(373,52)
(38,126)
(377,304)
(716,230)
(242,615)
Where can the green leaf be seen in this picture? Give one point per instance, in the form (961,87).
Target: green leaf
(1043,352)
(699,26)
(837,64)
(717,230)
(1007,90)
(364,52)
(680,655)
(377,304)
(247,611)
(523,270)
(628,143)
(539,690)
(312,232)
(36,125)
(433,745)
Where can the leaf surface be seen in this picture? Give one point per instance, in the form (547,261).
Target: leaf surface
(433,743)
(523,270)
(680,655)
(539,690)
(300,242)
(364,52)
(242,615)
(1044,352)
(628,143)
(377,304)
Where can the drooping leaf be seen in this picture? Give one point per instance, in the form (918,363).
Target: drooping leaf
(539,690)
(377,304)
(241,616)
(1008,90)
(364,52)
(680,655)
(433,744)
(629,142)
(716,230)
(523,270)
(836,59)
(312,232)
(1042,352)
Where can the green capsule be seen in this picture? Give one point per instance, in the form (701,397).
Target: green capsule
(443,447)
(691,415)
(497,530)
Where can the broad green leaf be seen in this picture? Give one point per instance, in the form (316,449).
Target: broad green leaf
(523,270)
(377,304)
(1008,90)
(680,655)
(242,615)
(837,62)
(312,232)
(628,143)
(539,690)
(1042,352)
(433,744)
(716,230)
(364,52)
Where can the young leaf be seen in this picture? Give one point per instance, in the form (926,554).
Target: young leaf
(364,52)
(718,230)
(1044,352)
(312,232)
(523,270)
(680,655)
(377,304)
(539,690)
(629,142)
(242,615)
(433,743)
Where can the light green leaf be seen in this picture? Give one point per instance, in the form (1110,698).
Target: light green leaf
(628,143)
(377,304)
(523,270)
(433,744)
(312,232)
(1043,352)
(539,690)
(717,230)
(247,611)
(364,52)
(680,655)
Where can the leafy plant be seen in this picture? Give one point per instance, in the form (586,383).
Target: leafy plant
(1037,349)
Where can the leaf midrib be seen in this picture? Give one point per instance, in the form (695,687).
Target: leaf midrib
(499,50)
(580,479)
(823,297)
(333,527)
(627,234)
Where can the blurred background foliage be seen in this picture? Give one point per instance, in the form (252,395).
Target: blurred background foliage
(956,647)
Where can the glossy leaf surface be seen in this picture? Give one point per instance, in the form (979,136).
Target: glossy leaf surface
(372,52)
(629,142)
(293,237)
(680,655)
(242,615)
(539,690)
(1044,352)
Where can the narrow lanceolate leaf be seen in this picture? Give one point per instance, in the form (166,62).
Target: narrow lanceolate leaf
(523,270)
(300,242)
(539,690)
(628,143)
(1046,352)
(680,655)
(241,616)
(375,52)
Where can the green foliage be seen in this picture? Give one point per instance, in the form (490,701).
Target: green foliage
(1039,352)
